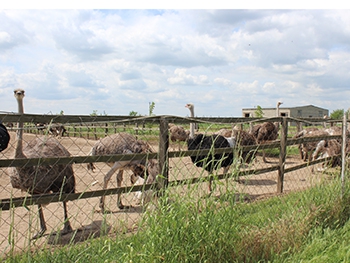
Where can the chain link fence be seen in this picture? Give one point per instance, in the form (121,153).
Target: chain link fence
(266,167)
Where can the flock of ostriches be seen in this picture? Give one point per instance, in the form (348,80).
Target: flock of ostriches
(59,178)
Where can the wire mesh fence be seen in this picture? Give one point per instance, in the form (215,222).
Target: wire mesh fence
(294,154)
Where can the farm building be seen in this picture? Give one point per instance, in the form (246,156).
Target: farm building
(296,112)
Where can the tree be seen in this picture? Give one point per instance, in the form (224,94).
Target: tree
(337,114)
(259,112)
(152,105)
(133,113)
(94,113)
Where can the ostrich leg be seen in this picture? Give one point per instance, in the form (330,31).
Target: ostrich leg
(106,179)
(119,184)
(67,227)
(42,224)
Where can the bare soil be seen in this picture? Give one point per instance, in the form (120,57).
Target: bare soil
(19,224)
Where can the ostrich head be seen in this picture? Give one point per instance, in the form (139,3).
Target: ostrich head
(278,108)
(189,106)
(19,95)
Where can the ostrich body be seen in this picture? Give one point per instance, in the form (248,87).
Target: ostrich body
(224,132)
(57,129)
(4,137)
(57,178)
(178,133)
(307,147)
(266,131)
(124,143)
(211,161)
(244,138)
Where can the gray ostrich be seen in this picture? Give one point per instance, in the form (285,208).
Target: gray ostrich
(267,131)
(124,143)
(58,178)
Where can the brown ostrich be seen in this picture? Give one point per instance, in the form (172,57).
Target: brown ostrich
(244,138)
(224,132)
(178,133)
(266,131)
(329,148)
(124,143)
(306,148)
(56,178)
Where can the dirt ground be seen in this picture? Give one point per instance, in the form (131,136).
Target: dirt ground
(20,224)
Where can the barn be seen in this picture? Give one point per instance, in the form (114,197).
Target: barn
(307,111)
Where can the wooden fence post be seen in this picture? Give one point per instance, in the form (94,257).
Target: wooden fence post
(163,158)
(282,157)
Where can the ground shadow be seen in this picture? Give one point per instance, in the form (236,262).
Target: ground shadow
(130,209)
(94,230)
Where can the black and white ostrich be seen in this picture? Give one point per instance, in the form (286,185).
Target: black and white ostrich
(124,143)
(209,162)
(42,179)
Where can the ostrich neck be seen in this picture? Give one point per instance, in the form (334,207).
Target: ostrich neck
(192,123)
(278,111)
(19,146)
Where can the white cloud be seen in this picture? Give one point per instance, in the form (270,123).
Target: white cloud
(181,77)
(118,61)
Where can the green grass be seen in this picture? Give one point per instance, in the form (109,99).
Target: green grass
(309,226)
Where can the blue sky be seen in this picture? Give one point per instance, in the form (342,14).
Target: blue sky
(119,60)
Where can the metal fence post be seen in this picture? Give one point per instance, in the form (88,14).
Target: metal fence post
(283,153)
(343,153)
(163,179)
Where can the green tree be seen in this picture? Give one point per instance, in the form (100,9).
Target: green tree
(152,105)
(337,114)
(259,112)
(133,113)
(94,113)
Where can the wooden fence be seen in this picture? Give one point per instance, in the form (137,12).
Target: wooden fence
(163,155)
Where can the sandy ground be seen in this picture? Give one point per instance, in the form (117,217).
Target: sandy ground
(20,224)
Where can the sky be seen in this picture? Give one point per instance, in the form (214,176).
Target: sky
(118,60)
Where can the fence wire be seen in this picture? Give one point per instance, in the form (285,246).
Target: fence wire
(288,162)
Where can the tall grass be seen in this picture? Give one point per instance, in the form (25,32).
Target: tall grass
(311,225)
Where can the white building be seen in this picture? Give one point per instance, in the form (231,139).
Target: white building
(296,112)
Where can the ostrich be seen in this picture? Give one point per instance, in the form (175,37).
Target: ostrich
(4,137)
(57,129)
(328,148)
(56,178)
(316,146)
(244,138)
(332,147)
(224,132)
(267,131)
(41,127)
(178,133)
(209,162)
(124,143)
